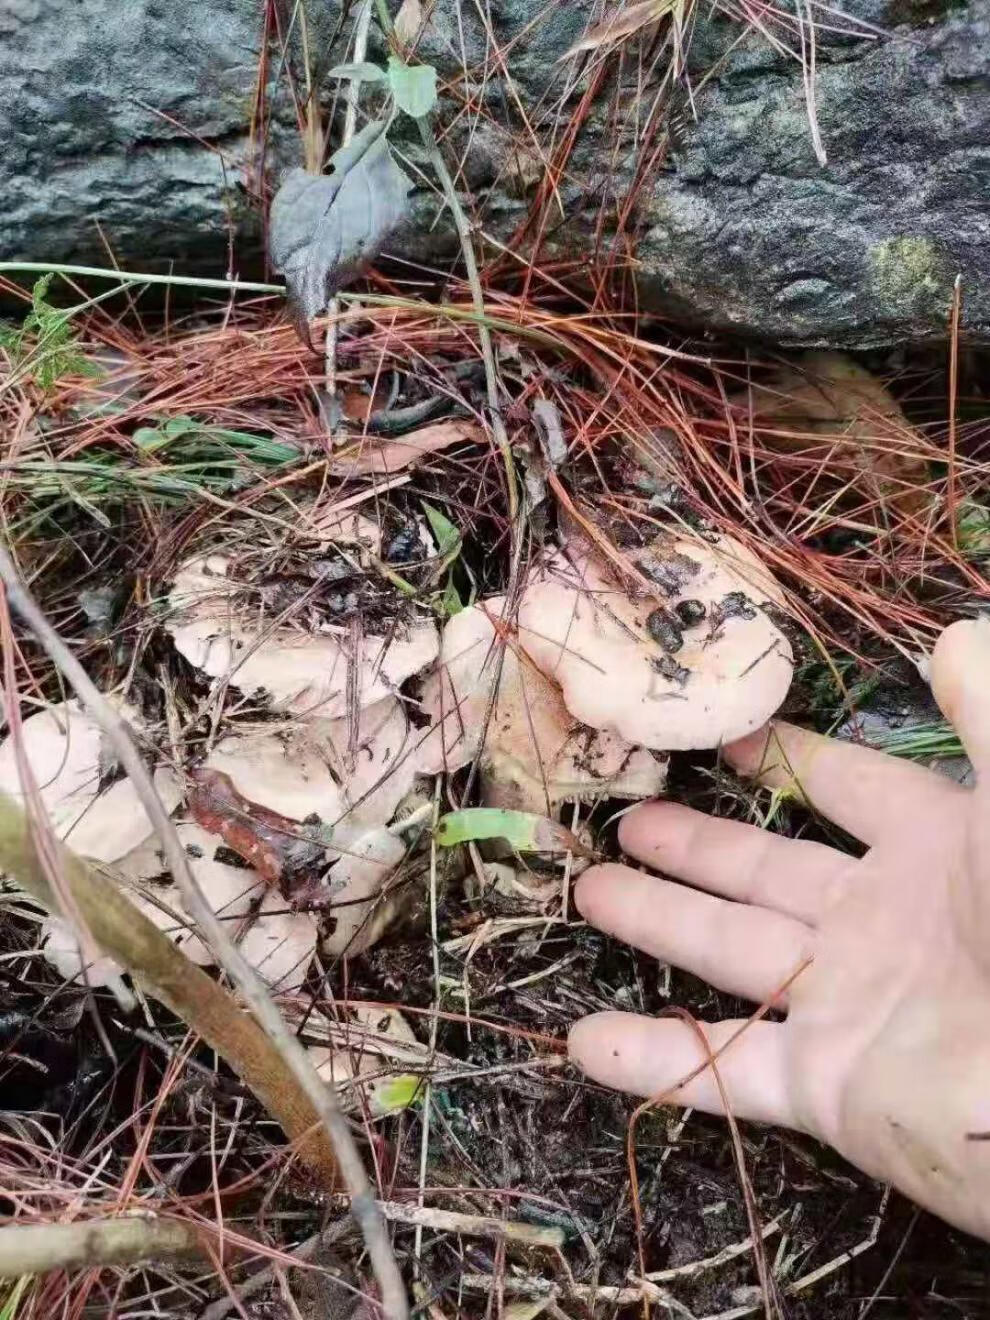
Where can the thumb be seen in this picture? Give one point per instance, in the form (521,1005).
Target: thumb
(961,683)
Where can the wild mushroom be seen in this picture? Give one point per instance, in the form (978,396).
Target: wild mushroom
(344,776)
(338,782)
(693,663)
(357,900)
(327,673)
(277,941)
(66,752)
(534,753)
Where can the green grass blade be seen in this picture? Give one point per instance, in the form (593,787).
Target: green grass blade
(522,830)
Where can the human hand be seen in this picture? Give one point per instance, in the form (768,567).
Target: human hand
(885,1050)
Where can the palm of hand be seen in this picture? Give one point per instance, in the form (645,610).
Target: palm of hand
(885,1050)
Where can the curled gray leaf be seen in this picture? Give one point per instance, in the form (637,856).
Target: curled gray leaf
(324,227)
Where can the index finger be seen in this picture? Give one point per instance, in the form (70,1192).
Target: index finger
(868,793)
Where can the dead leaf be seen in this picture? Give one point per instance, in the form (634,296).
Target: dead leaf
(844,421)
(357,406)
(408,22)
(625,23)
(277,847)
(374,457)
(325,226)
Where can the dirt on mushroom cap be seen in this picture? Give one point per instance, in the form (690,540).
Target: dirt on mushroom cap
(323,673)
(687,685)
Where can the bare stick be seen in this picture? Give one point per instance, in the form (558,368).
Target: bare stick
(490,1226)
(612,1294)
(229,956)
(41,1248)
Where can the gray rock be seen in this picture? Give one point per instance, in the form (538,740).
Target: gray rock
(749,232)
(129,120)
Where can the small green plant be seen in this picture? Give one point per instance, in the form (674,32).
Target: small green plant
(46,343)
(12,1301)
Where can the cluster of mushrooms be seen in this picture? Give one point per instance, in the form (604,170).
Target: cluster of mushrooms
(575,693)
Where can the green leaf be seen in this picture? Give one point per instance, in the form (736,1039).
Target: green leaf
(414,86)
(450,602)
(446,535)
(363,72)
(391,1094)
(522,830)
(448,539)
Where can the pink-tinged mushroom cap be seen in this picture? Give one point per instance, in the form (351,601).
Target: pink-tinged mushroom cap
(696,662)
(534,753)
(324,673)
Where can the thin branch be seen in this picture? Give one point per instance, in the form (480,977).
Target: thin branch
(41,1248)
(136,277)
(245,977)
(361,26)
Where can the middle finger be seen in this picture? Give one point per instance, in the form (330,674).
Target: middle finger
(744,950)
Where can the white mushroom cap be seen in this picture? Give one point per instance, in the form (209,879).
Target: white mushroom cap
(61,949)
(351,783)
(117,822)
(535,754)
(357,883)
(65,749)
(159,903)
(729,674)
(302,673)
(278,942)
